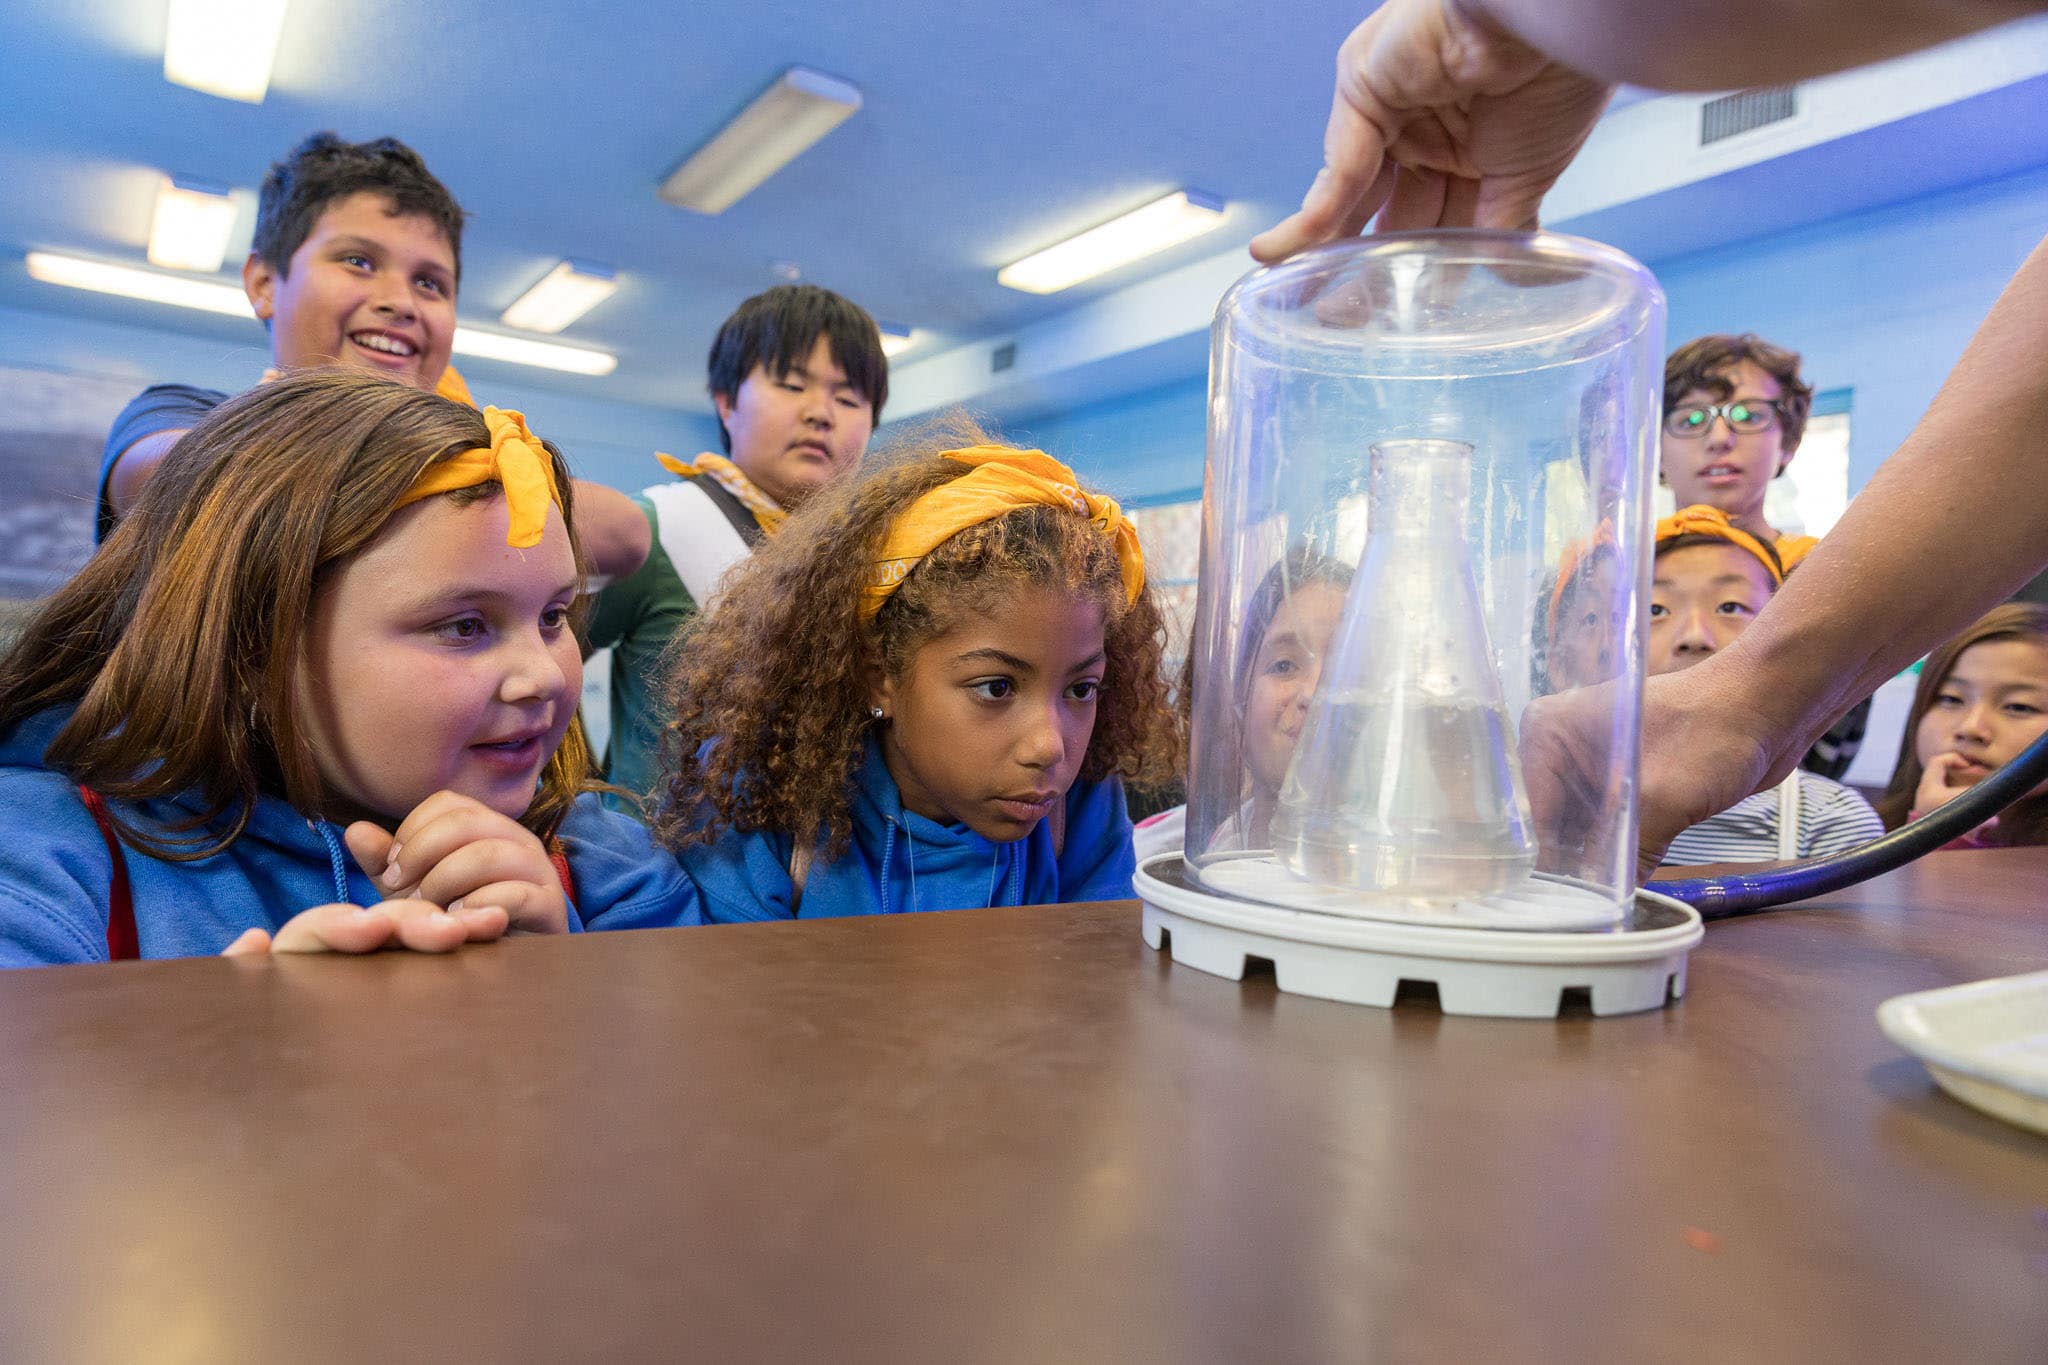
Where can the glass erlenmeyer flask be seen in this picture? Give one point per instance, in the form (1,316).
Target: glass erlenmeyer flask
(1405,781)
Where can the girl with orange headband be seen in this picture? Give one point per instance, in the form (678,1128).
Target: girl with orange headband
(922,696)
(316,692)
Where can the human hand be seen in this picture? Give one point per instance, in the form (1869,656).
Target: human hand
(418,925)
(1440,119)
(1938,784)
(454,851)
(1699,756)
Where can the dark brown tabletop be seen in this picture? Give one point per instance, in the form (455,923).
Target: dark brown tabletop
(1013,1135)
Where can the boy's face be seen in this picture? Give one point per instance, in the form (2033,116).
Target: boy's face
(795,432)
(367,288)
(1720,466)
(1701,598)
(989,722)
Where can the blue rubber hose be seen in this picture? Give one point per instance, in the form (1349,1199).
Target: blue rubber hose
(1732,894)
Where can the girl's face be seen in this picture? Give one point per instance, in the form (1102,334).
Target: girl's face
(1284,675)
(1993,704)
(988,723)
(441,657)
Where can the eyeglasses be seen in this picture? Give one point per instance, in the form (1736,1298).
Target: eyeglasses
(1746,415)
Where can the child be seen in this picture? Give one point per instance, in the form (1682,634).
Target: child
(340,602)
(1735,409)
(920,696)
(1982,698)
(355,262)
(799,379)
(1582,632)
(1287,632)
(1711,579)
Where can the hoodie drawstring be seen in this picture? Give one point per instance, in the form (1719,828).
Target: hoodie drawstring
(337,861)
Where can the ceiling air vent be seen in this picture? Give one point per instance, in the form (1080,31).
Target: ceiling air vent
(1002,357)
(1744,111)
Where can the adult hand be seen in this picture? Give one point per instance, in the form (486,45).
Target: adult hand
(1441,119)
(454,851)
(417,925)
(1700,755)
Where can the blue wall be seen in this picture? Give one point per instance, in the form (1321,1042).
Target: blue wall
(611,443)
(1880,302)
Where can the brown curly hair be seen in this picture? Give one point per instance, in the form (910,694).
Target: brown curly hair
(178,644)
(770,689)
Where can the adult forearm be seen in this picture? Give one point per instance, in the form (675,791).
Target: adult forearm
(1697,45)
(1949,526)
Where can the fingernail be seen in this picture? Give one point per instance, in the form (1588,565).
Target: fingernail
(391,858)
(455,906)
(390,878)
(366,912)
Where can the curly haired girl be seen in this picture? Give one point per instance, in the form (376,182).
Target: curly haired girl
(340,601)
(921,697)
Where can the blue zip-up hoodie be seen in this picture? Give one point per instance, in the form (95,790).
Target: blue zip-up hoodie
(899,861)
(56,878)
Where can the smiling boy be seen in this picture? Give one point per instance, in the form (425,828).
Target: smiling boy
(356,260)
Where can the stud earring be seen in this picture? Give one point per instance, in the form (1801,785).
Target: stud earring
(877,713)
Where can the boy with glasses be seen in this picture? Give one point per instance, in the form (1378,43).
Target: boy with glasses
(1734,410)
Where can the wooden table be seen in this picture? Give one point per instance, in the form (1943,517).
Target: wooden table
(1013,1136)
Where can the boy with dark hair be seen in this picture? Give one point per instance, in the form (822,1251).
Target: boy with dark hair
(355,261)
(798,379)
(1711,580)
(1735,409)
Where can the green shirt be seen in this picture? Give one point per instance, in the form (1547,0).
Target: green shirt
(635,617)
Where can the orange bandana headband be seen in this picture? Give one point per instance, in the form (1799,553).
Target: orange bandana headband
(1568,564)
(1702,520)
(767,513)
(516,460)
(1002,480)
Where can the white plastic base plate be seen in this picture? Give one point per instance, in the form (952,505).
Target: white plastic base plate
(1638,964)
(1539,903)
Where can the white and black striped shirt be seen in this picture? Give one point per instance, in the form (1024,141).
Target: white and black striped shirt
(1831,819)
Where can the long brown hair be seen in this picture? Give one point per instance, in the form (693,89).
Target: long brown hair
(179,643)
(770,689)
(2026,820)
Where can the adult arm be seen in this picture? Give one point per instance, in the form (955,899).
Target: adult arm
(1464,112)
(614,531)
(1949,526)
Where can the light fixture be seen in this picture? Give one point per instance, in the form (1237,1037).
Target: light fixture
(1160,224)
(191,225)
(223,47)
(563,295)
(211,296)
(802,106)
(181,291)
(548,355)
(896,338)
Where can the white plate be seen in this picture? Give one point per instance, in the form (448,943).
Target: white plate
(1986,1043)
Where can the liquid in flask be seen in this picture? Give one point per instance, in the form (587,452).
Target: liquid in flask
(1405,781)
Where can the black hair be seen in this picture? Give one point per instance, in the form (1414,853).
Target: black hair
(776,330)
(324,168)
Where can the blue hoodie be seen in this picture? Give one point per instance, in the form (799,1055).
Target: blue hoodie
(900,861)
(56,877)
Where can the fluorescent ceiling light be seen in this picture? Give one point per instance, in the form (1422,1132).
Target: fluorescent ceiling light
(896,338)
(1160,224)
(802,106)
(223,47)
(211,296)
(548,355)
(191,226)
(563,295)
